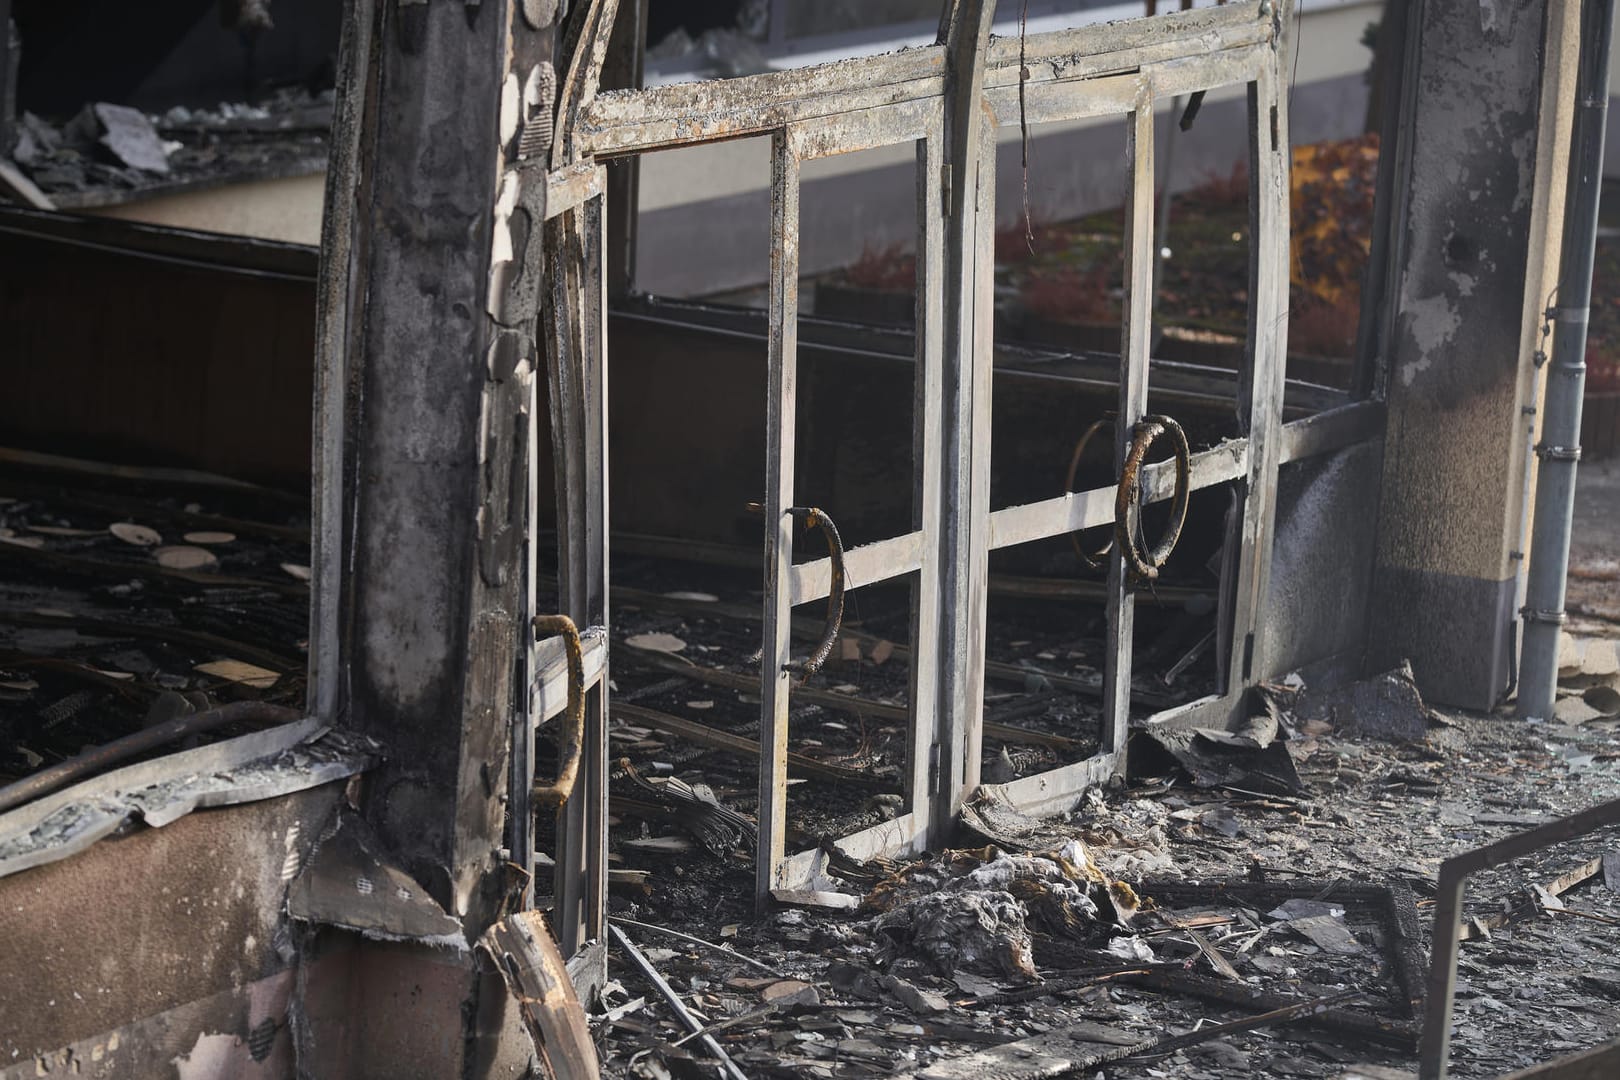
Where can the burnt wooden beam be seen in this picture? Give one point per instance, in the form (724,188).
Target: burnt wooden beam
(427,373)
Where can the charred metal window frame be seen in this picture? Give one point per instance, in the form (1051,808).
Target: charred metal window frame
(573,333)
(948,99)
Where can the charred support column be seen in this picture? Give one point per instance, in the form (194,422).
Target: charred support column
(963,558)
(1559,448)
(1458,258)
(436,475)
(424,388)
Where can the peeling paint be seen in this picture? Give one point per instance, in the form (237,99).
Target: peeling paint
(533,98)
(501,243)
(1524,152)
(1432,321)
(511,107)
(295,854)
(216,1056)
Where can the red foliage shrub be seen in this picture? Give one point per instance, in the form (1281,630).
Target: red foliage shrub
(1324,328)
(886,270)
(1072,296)
(1602,369)
(1217,190)
(1014,245)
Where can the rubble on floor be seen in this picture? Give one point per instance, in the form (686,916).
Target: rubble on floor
(127,604)
(1181,924)
(1252,902)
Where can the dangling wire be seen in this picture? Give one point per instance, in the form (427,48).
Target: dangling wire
(1023,121)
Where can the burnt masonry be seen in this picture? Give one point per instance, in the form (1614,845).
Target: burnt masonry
(1464,278)
(359,901)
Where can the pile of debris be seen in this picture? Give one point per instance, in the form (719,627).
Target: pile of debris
(105,153)
(1251,903)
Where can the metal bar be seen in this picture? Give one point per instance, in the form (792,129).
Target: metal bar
(516,285)
(1063,514)
(780,417)
(1454,874)
(723,950)
(864,565)
(336,306)
(1391,199)
(1559,450)
(623,69)
(1133,395)
(1312,436)
(969,174)
(1130,42)
(579,424)
(619,122)
(1111,95)
(565,373)
(531,709)
(673,1000)
(865,129)
(1260,381)
(1076,95)
(549,689)
(593,798)
(579,88)
(978,434)
(572,186)
(572,216)
(927,464)
(645,126)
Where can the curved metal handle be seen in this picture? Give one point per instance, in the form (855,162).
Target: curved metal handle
(1094,559)
(573,735)
(1142,562)
(814,516)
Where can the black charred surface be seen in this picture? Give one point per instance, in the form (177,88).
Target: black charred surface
(1466,140)
(435,460)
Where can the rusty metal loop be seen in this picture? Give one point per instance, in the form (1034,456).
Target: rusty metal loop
(573,734)
(1144,563)
(1094,559)
(814,516)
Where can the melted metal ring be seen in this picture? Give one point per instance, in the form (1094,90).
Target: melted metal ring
(573,733)
(1142,562)
(1094,559)
(814,516)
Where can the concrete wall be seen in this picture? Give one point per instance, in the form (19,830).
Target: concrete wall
(165,952)
(1483,192)
(1321,570)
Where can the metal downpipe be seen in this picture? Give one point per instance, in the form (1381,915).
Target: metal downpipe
(1559,449)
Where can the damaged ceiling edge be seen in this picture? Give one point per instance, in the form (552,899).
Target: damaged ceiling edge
(262,765)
